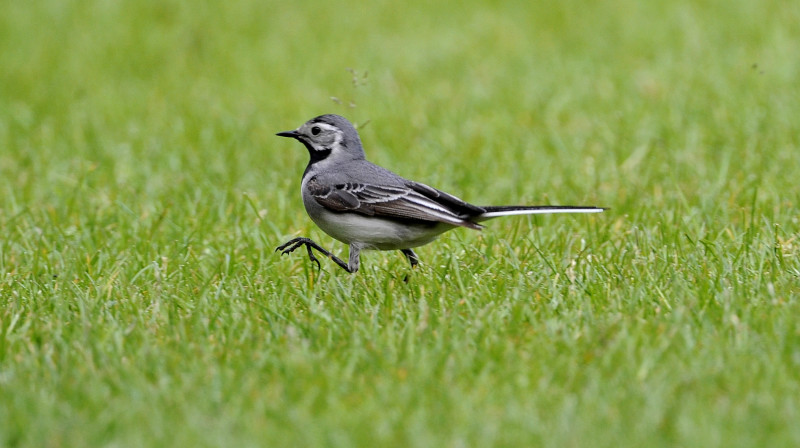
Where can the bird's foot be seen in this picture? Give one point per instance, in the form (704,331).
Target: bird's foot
(293,244)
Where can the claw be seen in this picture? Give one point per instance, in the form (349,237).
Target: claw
(313,258)
(292,245)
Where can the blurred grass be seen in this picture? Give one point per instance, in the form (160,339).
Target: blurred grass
(143,193)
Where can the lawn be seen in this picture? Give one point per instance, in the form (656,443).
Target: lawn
(143,192)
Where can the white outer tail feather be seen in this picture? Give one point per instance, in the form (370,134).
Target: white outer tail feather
(541,211)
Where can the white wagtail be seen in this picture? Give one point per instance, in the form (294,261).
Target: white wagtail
(369,207)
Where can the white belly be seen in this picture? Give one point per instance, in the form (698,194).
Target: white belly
(372,232)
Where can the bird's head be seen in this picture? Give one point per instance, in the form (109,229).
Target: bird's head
(328,135)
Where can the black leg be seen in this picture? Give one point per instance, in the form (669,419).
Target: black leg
(411,256)
(294,244)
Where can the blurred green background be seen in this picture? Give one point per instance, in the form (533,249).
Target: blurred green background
(142,192)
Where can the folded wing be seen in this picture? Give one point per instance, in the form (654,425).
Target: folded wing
(412,201)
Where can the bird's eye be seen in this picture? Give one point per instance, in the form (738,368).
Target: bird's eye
(315,130)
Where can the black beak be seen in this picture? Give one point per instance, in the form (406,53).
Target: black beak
(292,134)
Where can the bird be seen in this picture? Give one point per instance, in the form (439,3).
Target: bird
(369,207)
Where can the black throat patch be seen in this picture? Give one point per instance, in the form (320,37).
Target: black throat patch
(316,155)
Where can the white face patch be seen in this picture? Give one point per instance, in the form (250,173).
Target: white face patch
(321,136)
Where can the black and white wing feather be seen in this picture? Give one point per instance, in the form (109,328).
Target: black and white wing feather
(412,201)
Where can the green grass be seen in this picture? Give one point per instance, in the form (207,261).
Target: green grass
(142,193)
